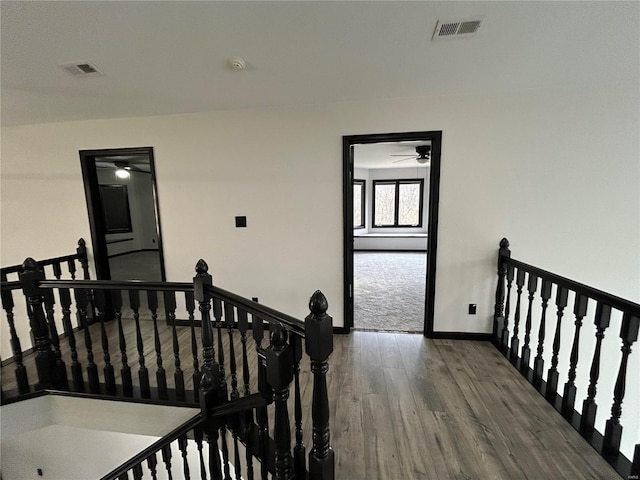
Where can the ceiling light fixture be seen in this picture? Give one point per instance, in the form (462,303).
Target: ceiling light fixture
(122,170)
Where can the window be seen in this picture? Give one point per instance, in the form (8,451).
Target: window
(397,203)
(358,203)
(115,204)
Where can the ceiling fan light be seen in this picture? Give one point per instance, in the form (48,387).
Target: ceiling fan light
(122,173)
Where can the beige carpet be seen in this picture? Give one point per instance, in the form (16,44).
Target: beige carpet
(389,291)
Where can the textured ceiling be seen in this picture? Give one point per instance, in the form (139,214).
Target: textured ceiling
(170,57)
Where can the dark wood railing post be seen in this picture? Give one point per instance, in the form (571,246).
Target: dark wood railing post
(569,396)
(319,345)
(562,296)
(45,358)
(299,451)
(515,341)
(589,406)
(532,286)
(538,362)
(613,428)
(209,383)
(16,347)
(498,317)
(83,258)
(279,361)
(635,465)
(76,367)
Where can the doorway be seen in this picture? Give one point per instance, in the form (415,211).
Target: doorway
(122,204)
(403,231)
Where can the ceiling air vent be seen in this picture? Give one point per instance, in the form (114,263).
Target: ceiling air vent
(456,29)
(82,69)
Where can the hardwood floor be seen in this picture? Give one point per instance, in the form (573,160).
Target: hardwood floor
(406,407)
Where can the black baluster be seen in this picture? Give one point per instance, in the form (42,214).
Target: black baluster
(109,373)
(152,463)
(178,376)
(61,382)
(123,476)
(80,296)
(515,341)
(166,459)
(84,263)
(198,435)
(262,418)
(498,317)
(71,266)
(299,451)
(589,406)
(279,360)
(222,386)
(247,424)
(562,295)
(319,345)
(243,327)
(190,305)
(613,428)
(125,371)
(161,375)
(137,471)
(182,446)
(57,270)
(532,286)
(217,313)
(569,397)
(209,384)
(76,368)
(504,341)
(237,466)
(16,348)
(45,358)
(143,373)
(230,321)
(635,465)
(538,362)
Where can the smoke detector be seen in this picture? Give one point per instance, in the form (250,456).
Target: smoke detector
(82,69)
(236,64)
(457,28)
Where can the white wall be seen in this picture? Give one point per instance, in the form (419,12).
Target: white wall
(555,171)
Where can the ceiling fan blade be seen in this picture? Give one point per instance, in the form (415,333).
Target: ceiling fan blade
(403,159)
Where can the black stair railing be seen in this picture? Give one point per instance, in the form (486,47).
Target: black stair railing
(606,310)
(258,434)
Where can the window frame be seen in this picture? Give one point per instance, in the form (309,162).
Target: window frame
(397,182)
(363,197)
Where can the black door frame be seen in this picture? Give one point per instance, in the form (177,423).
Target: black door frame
(96,213)
(435,137)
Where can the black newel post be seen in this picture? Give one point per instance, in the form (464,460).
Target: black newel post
(613,428)
(279,360)
(589,406)
(210,369)
(319,345)
(498,316)
(45,358)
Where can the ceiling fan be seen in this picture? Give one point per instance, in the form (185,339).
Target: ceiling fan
(423,155)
